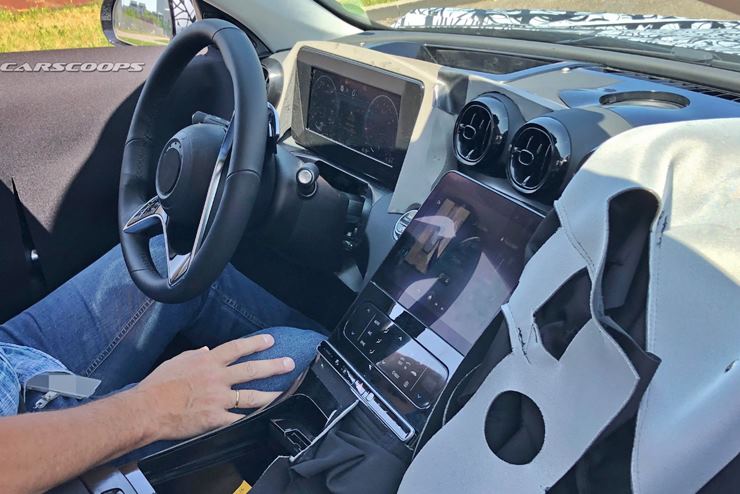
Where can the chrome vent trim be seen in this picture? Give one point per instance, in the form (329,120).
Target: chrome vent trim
(540,152)
(480,130)
(473,134)
(272,71)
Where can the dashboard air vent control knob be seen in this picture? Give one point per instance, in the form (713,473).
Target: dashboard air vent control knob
(306,178)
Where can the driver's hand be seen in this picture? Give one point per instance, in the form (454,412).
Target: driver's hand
(191,393)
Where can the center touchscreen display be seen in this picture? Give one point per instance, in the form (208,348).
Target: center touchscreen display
(459,259)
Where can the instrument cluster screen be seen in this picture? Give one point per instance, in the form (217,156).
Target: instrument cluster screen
(356,115)
(459,259)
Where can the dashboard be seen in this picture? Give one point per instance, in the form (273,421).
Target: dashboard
(399,111)
(460,154)
(441,160)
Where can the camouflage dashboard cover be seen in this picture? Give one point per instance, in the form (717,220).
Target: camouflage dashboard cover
(722,37)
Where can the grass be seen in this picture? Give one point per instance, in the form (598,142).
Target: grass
(51,28)
(358,7)
(368,3)
(44,28)
(363,3)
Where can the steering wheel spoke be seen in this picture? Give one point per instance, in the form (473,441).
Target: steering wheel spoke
(145,220)
(213,186)
(147,216)
(177,265)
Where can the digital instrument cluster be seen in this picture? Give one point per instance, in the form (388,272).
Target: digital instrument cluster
(356,115)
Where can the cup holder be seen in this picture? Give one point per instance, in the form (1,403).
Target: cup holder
(221,461)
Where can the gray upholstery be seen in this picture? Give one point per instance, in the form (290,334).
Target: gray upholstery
(688,425)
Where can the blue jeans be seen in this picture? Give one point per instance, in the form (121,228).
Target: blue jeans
(100,325)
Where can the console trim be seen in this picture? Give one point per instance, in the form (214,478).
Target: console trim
(367,394)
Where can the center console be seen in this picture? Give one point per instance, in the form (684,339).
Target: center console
(439,288)
(389,359)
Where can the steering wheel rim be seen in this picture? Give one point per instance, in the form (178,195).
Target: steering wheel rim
(222,225)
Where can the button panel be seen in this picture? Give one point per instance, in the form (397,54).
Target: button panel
(412,369)
(358,321)
(395,422)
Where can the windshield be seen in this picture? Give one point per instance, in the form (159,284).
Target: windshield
(697,31)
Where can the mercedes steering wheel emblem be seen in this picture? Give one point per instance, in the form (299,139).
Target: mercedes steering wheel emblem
(175,145)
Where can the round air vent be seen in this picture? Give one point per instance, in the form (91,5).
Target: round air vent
(480,130)
(540,151)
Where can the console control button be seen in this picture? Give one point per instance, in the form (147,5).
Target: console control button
(372,341)
(396,355)
(425,391)
(406,363)
(378,324)
(358,321)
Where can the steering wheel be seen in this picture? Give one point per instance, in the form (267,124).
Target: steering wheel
(208,206)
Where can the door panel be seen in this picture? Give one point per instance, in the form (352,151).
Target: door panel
(61,141)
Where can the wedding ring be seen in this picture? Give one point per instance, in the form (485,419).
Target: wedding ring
(236,404)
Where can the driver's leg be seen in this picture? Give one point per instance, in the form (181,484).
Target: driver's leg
(100,315)
(99,324)
(235,306)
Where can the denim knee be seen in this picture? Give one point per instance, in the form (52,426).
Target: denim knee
(298,344)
